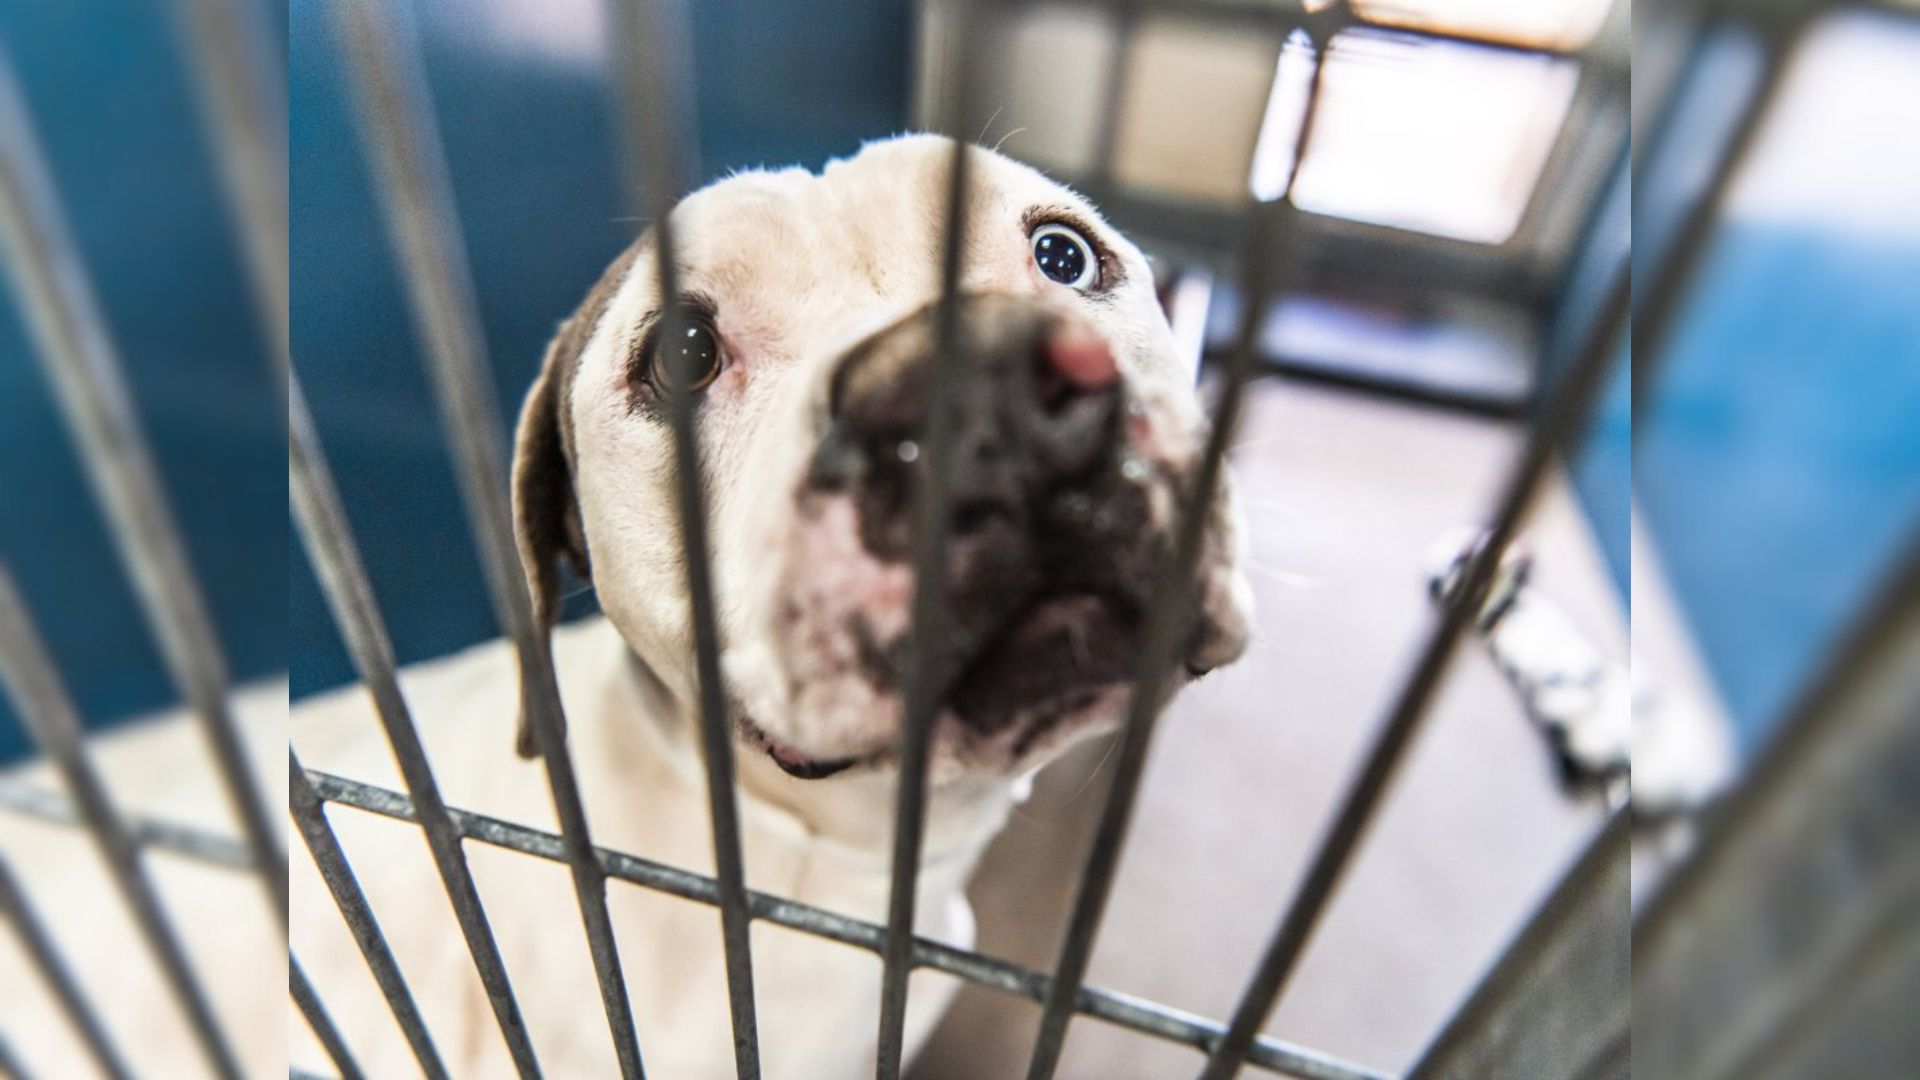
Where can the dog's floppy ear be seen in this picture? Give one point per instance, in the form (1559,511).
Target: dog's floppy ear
(546,513)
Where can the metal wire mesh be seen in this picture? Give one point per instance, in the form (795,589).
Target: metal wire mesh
(395,119)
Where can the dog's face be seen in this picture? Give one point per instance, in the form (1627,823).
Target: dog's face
(1076,427)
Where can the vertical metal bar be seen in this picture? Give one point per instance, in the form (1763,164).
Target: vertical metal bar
(310,817)
(242,93)
(323,527)
(1106,137)
(1557,1000)
(656,107)
(66,989)
(921,701)
(1169,612)
(1562,418)
(396,119)
(1789,934)
(79,361)
(1657,296)
(317,1019)
(28,674)
(10,1066)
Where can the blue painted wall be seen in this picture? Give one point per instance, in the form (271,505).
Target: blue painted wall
(1779,463)
(527,126)
(113,109)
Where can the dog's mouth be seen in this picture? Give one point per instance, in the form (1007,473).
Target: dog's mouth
(1052,657)
(792,761)
(1049,661)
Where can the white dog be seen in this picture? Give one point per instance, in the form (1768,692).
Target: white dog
(813,297)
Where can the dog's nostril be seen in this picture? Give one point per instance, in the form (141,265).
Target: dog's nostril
(974,516)
(1052,391)
(1070,364)
(1080,358)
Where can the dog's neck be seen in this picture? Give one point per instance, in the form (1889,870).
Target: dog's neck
(852,812)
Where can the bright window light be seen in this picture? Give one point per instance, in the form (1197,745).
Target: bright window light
(1431,136)
(1561,24)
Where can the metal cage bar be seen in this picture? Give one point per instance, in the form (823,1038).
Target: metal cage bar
(928,614)
(65,322)
(310,817)
(322,523)
(1563,417)
(1572,952)
(10,1066)
(1807,872)
(1168,606)
(410,179)
(145,832)
(1659,293)
(1148,1018)
(28,674)
(321,1024)
(396,121)
(59,978)
(243,106)
(657,108)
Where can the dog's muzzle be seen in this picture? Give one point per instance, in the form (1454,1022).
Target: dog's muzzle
(1049,551)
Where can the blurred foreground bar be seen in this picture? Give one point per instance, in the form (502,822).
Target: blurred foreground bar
(1788,945)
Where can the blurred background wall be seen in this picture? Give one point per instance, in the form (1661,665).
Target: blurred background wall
(1777,453)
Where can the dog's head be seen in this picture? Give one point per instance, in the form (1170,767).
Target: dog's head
(812,339)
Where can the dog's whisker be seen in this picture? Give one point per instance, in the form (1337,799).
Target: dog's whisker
(1253,503)
(1286,578)
(1008,135)
(1077,640)
(984,128)
(1094,773)
(1259,441)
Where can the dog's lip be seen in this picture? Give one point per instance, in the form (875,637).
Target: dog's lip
(793,762)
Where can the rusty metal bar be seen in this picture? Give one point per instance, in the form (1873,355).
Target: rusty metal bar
(59,978)
(322,522)
(65,322)
(1134,1014)
(656,106)
(308,1001)
(396,120)
(27,673)
(310,817)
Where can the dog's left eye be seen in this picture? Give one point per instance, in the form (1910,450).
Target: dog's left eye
(693,350)
(1064,256)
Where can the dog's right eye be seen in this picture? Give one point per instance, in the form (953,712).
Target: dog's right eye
(692,352)
(1065,257)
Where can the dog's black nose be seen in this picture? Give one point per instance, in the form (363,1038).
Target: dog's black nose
(1037,405)
(1049,535)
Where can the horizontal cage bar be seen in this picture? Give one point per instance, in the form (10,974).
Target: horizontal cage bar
(1119,1009)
